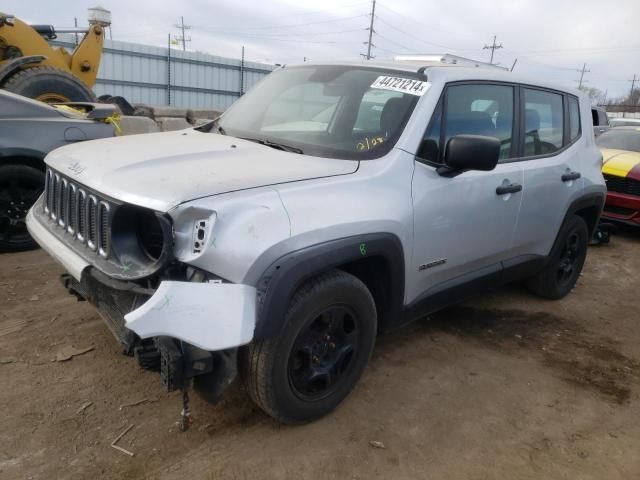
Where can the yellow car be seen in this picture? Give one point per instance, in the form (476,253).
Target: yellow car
(620,148)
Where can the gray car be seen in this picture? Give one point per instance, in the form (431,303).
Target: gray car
(330,203)
(28,131)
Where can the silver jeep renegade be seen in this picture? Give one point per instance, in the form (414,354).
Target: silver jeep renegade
(330,203)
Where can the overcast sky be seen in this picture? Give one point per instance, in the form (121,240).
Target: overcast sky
(552,38)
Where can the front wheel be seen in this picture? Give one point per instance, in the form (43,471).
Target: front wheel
(20,187)
(565,262)
(325,345)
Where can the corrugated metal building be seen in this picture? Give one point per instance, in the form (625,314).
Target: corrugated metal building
(141,74)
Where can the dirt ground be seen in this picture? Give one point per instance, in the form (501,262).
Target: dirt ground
(507,386)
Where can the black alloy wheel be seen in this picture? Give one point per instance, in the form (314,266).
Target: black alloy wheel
(20,187)
(323,351)
(568,258)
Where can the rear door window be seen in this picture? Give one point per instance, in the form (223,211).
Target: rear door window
(543,122)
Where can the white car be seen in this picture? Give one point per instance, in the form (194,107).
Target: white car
(332,202)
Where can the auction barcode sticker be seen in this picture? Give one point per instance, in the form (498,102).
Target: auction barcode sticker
(404,85)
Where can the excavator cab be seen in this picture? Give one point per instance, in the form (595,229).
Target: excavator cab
(31,67)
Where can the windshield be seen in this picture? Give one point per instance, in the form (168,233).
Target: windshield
(619,139)
(327,111)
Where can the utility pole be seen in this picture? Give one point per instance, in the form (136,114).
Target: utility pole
(582,72)
(493,47)
(633,85)
(169,70)
(368,56)
(182,38)
(242,73)
(75,23)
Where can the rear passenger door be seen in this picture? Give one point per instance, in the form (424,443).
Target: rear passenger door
(551,131)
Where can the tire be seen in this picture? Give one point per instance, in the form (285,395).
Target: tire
(20,187)
(50,85)
(286,377)
(565,263)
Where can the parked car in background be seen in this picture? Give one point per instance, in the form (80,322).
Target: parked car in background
(330,203)
(625,122)
(600,120)
(620,148)
(30,129)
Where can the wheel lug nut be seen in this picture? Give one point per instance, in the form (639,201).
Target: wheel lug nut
(332,345)
(315,359)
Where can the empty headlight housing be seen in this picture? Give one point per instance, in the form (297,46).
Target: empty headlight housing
(141,238)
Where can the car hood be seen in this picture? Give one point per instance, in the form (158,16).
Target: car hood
(621,163)
(162,170)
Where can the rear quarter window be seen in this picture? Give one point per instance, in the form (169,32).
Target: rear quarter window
(574,118)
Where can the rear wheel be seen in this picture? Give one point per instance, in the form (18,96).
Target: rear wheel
(565,262)
(307,370)
(20,187)
(49,85)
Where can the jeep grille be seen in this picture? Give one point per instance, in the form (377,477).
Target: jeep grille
(81,213)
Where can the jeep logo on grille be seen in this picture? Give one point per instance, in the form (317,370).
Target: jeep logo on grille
(76,168)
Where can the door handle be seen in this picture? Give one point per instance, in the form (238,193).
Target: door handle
(569,176)
(511,188)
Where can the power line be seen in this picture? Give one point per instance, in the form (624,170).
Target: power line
(394,42)
(333,9)
(415,37)
(425,25)
(582,72)
(308,34)
(493,47)
(182,38)
(271,27)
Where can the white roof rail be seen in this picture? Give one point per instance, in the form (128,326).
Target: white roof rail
(445,59)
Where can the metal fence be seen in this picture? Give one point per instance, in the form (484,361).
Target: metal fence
(162,76)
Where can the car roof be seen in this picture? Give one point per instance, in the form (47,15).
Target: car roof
(633,128)
(447,72)
(622,119)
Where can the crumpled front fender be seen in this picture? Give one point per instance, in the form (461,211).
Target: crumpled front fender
(211,316)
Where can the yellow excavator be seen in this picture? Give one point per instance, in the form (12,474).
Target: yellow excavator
(31,67)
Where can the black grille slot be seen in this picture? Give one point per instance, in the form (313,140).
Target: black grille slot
(622,185)
(54,200)
(618,210)
(82,215)
(64,203)
(72,224)
(85,216)
(92,206)
(103,227)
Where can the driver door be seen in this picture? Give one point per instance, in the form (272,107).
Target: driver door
(464,225)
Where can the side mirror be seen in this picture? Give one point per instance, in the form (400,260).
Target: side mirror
(472,152)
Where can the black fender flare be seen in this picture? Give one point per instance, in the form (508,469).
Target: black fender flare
(12,66)
(590,200)
(283,277)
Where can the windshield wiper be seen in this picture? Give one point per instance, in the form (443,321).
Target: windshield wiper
(276,145)
(208,127)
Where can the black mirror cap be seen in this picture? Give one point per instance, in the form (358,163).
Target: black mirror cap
(472,152)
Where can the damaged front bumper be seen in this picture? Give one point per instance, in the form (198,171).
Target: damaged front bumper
(212,316)
(187,331)
(183,324)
